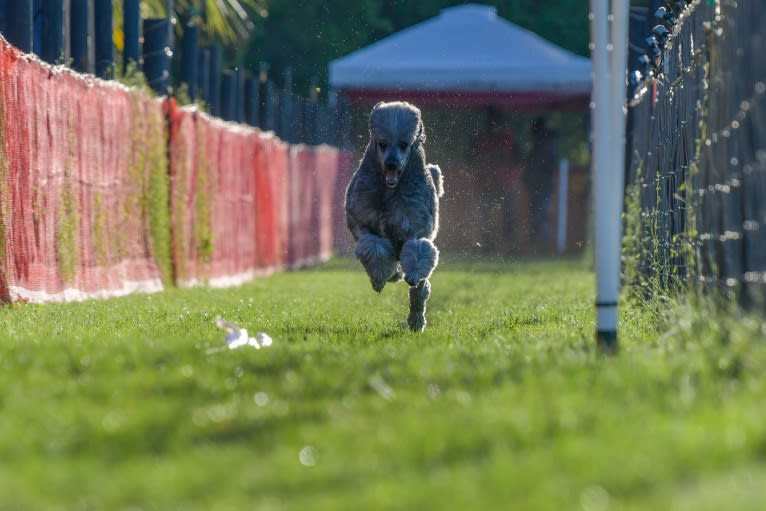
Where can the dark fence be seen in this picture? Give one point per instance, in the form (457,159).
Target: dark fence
(696,169)
(79,33)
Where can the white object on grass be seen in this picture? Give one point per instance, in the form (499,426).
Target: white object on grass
(237,337)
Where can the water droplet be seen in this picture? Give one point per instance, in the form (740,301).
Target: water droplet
(308,456)
(594,498)
(261,398)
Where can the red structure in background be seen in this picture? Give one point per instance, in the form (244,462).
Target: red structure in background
(90,170)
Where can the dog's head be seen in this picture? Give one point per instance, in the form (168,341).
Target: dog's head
(395,131)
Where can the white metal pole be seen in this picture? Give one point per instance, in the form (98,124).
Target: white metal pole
(617,95)
(561,228)
(604,207)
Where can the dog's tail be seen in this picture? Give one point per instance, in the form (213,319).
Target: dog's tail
(436,175)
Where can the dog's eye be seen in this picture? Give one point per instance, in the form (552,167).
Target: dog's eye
(402,145)
(382,146)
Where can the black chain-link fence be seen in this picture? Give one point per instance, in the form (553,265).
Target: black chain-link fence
(696,156)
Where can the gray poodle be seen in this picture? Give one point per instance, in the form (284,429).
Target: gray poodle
(392,206)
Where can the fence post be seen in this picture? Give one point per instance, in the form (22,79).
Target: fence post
(228,93)
(18,23)
(131,26)
(104,46)
(286,107)
(239,95)
(157,54)
(55,25)
(561,227)
(252,100)
(608,162)
(81,32)
(264,90)
(190,57)
(203,75)
(214,102)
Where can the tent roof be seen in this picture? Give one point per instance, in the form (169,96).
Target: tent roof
(466,51)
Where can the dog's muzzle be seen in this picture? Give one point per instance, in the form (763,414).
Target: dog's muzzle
(391,175)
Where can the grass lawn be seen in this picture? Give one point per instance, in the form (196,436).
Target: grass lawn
(503,402)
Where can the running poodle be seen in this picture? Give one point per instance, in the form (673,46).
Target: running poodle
(392,206)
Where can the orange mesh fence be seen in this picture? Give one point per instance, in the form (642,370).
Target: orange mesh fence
(83,184)
(327,170)
(244,203)
(312,176)
(212,200)
(301,205)
(90,205)
(271,203)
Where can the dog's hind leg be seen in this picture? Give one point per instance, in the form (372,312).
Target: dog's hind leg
(418,297)
(377,256)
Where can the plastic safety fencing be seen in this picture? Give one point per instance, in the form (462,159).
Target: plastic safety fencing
(243,203)
(696,196)
(313,172)
(228,200)
(83,185)
(105,190)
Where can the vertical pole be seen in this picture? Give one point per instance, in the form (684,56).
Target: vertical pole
(561,229)
(239,95)
(263,79)
(252,101)
(190,58)
(132,29)
(203,75)
(215,80)
(4,16)
(286,106)
(606,283)
(228,93)
(157,54)
(37,27)
(83,55)
(608,161)
(56,22)
(18,24)
(103,32)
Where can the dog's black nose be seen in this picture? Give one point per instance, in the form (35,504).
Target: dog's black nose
(391,165)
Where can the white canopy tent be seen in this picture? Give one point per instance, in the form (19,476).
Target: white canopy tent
(465,53)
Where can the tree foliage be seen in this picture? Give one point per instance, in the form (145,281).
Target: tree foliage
(306,35)
(230,21)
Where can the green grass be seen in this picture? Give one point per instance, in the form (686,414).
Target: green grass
(502,403)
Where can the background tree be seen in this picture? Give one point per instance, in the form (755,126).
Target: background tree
(306,35)
(229,21)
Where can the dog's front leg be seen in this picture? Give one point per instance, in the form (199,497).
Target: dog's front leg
(419,295)
(377,256)
(419,258)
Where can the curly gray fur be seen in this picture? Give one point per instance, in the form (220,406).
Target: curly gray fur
(392,204)
(419,259)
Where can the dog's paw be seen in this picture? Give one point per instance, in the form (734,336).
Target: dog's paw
(377,284)
(416,321)
(412,279)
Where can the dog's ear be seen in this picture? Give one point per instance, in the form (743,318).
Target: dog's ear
(420,130)
(372,114)
(420,138)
